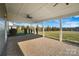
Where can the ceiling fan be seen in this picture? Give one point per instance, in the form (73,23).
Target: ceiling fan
(57,4)
(28,16)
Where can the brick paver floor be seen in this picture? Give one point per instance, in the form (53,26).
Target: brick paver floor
(47,47)
(40,46)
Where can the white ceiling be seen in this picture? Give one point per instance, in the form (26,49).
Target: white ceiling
(40,11)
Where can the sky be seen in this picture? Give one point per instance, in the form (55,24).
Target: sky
(66,22)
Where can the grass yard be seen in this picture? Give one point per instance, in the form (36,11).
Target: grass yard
(67,35)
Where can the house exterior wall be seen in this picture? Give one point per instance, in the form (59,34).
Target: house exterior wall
(2,34)
(2,27)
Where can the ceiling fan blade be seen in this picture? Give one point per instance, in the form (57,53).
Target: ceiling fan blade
(55,4)
(28,16)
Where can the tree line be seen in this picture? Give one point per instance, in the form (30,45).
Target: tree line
(48,28)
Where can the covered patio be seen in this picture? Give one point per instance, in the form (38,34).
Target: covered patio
(34,44)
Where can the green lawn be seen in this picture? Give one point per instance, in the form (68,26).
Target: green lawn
(67,35)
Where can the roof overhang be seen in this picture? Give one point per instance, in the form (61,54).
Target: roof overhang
(40,11)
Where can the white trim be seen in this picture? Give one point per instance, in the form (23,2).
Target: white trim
(43,28)
(6,27)
(60,30)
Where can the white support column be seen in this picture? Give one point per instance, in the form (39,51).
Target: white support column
(43,29)
(30,27)
(13,23)
(35,29)
(6,28)
(60,30)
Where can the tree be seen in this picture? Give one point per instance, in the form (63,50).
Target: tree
(48,28)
